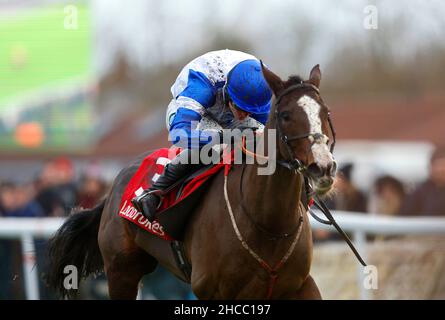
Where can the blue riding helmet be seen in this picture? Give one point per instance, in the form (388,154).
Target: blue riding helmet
(248,89)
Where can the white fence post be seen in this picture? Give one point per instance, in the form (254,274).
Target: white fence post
(30,267)
(360,244)
(26,229)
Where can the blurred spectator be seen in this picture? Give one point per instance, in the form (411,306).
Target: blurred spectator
(18,201)
(347,197)
(66,186)
(91,190)
(429,197)
(57,192)
(387,197)
(92,186)
(49,199)
(6,197)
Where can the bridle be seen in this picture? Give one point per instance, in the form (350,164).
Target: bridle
(298,165)
(294,163)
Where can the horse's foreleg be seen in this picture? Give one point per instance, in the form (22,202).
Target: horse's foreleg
(309,291)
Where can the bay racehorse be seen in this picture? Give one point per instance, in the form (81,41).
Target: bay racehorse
(249,237)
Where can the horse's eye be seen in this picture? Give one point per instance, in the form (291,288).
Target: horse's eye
(285,115)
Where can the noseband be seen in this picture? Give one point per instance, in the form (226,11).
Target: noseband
(294,163)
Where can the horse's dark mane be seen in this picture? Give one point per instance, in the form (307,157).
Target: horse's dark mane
(293,79)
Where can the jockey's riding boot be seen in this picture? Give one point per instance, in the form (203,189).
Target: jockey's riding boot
(147,203)
(149,200)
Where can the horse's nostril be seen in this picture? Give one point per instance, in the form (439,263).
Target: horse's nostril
(329,168)
(315,171)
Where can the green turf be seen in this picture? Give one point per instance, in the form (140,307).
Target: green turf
(37,51)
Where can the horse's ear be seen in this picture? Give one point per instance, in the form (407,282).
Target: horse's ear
(315,76)
(274,81)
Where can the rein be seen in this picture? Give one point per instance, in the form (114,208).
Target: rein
(331,221)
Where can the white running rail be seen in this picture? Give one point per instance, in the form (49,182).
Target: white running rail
(359,224)
(362,224)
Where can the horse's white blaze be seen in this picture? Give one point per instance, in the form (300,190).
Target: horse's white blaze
(320,150)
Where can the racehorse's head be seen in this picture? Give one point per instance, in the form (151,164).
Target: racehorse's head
(305,136)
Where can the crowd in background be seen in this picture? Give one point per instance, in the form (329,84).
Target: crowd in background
(53,193)
(56,191)
(389,196)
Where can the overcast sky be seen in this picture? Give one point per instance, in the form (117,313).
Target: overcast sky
(283,33)
(153,33)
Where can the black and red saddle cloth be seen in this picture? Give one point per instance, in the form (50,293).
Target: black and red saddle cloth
(176,205)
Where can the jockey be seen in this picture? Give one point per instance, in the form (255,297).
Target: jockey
(218,90)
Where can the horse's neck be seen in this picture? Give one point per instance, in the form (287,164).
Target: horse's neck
(273,200)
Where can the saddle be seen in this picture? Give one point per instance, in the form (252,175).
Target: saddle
(178,202)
